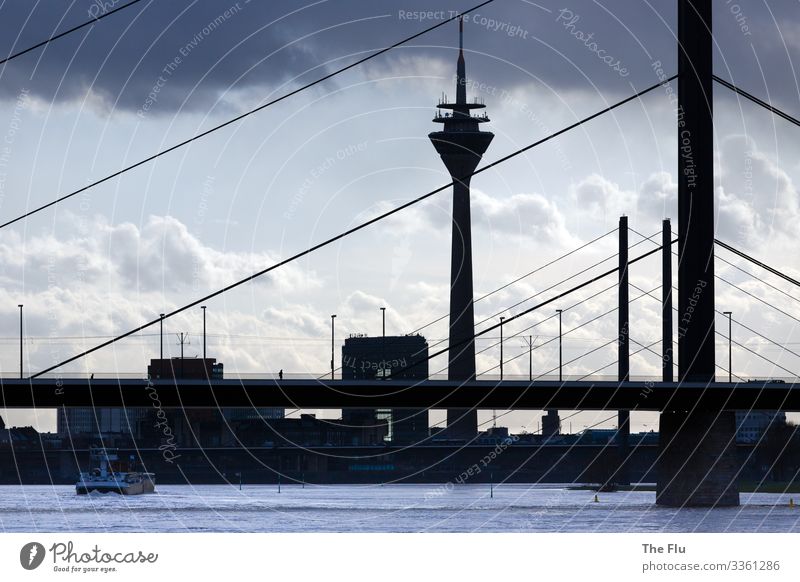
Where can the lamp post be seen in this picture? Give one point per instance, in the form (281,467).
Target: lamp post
(161,356)
(730,346)
(203,307)
(560,374)
(20,342)
(162,335)
(333,317)
(383,344)
(501,346)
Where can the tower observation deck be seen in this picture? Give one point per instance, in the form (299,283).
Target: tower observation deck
(461,144)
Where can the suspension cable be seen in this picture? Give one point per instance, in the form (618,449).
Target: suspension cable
(756,100)
(70,31)
(764,266)
(757,278)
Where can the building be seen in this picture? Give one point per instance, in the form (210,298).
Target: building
(205,427)
(307,431)
(191,427)
(76,422)
(551,424)
(185,368)
(84,421)
(751,425)
(390,357)
(461,144)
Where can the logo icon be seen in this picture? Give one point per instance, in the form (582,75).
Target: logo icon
(31,555)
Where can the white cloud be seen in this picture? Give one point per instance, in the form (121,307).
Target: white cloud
(161,256)
(524,215)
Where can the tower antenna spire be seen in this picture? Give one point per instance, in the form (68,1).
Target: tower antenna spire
(461,68)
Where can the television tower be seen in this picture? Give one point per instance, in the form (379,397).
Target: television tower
(461,144)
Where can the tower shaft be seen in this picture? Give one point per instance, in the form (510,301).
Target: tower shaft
(461,144)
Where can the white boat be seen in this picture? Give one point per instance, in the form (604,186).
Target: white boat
(109,477)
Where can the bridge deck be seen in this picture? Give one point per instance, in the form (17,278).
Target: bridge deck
(311,393)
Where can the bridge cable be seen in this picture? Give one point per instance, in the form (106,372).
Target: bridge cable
(362,226)
(757,298)
(757,278)
(597,264)
(757,101)
(70,31)
(758,263)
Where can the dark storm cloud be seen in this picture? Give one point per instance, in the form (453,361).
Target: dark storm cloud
(151,57)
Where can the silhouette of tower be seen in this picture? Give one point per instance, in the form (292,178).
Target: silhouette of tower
(461,144)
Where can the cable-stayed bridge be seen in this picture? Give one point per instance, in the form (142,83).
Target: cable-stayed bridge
(696,427)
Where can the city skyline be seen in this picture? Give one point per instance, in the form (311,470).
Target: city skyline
(90,255)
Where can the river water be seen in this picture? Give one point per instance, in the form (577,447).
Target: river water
(390,508)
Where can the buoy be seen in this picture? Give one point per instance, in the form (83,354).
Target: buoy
(596,500)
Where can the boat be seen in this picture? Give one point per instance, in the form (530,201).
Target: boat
(108,476)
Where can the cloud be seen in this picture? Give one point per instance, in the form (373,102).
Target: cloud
(658,197)
(160,256)
(522,215)
(758,202)
(598,198)
(162,56)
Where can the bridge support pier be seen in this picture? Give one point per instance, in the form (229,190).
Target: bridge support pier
(697,464)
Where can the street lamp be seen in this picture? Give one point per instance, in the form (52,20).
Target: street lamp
(20,342)
(560,375)
(730,346)
(382,371)
(332,328)
(161,358)
(203,307)
(162,335)
(501,346)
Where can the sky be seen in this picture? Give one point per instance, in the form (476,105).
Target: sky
(356,145)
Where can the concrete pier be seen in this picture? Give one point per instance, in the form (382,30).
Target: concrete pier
(697,465)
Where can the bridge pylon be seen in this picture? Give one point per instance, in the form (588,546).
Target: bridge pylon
(697,464)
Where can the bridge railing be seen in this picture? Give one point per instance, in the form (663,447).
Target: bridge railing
(323,377)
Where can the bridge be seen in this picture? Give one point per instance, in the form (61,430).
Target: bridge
(430,394)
